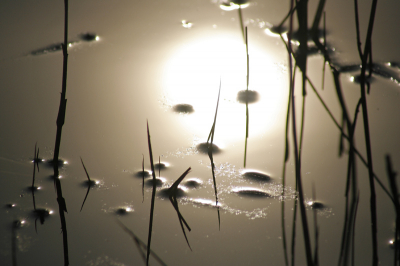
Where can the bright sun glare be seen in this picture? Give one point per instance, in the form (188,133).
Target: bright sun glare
(193,74)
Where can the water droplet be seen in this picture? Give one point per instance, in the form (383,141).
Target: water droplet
(183,108)
(249,95)
(10,205)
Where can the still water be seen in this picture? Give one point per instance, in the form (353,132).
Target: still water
(164,62)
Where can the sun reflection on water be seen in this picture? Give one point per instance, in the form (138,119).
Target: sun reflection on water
(192,77)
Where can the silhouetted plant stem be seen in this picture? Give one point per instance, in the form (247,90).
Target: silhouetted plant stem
(143,178)
(247,99)
(286,157)
(350,213)
(301,61)
(140,245)
(393,187)
(241,23)
(316,229)
(364,57)
(210,155)
(60,122)
(89,182)
(153,195)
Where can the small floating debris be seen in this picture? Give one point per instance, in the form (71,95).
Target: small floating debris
(248,96)
(159,182)
(183,108)
(256,176)
(251,192)
(193,183)
(89,37)
(186,24)
(316,205)
(124,210)
(203,148)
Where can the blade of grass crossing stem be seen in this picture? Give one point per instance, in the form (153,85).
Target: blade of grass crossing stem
(210,155)
(89,182)
(172,193)
(153,195)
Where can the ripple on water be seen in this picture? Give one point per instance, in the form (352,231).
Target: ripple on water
(251,192)
(247,95)
(159,182)
(203,148)
(256,176)
(183,108)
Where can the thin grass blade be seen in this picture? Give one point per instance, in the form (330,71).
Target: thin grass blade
(89,182)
